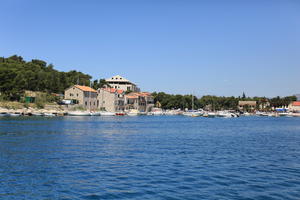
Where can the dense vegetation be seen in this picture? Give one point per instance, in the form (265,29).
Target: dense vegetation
(17,75)
(169,101)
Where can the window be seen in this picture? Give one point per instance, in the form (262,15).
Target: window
(85,103)
(77,94)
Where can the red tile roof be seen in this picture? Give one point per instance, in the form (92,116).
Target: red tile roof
(113,90)
(85,88)
(131,97)
(296,103)
(142,94)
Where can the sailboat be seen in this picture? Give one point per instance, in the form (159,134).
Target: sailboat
(192,113)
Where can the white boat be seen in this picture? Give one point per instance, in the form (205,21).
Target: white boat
(224,114)
(95,113)
(13,114)
(105,113)
(211,114)
(264,114)
(156,111)
(283,114)
(79,113)
(246,114)
(173,112)
(192,113)
(37,114)
(133,112)
(49,115)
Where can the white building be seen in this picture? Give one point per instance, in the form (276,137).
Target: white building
(121,83)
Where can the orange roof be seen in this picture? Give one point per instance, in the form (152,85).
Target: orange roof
(296,103)
(143,94)
(131,97)
(113,90)
(85,88)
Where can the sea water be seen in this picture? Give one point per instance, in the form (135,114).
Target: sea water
(149,157)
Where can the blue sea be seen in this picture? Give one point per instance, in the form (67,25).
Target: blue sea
(149,157)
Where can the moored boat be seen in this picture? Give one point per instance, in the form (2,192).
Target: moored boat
(133,112)
(105,113)
(79,113)
(49,115)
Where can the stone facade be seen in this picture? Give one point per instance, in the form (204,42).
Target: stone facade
(120,83)
(111,99)
(141,101)
(83,95)
(294,106)
(247,104)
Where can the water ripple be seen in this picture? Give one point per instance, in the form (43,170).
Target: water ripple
(149,158)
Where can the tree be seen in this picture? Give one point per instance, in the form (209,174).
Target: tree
(103,83)
(17,75)
(244,95)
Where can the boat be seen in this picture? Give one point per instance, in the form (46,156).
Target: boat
(49,115)
(13,114)
(246,114)
(79,113)
(105,113)
(133,112)
(211,114)
(283,114)
(37,114)
(264,114)
(156,111)
(95,113)
(192,113)
(120,114)
(224,114)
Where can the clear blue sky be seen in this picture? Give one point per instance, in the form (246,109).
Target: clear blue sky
(202,46)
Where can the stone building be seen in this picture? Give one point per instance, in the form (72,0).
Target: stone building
(121,83)
(141,101)
(111,99)
(294,106)
(83,96)
(247,105)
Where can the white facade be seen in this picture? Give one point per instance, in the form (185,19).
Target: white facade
(121,83)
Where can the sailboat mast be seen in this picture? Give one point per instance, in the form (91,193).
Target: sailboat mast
(192,102)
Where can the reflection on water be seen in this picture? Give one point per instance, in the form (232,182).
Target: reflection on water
(149,158)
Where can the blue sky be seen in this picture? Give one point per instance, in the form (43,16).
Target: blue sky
(202,46)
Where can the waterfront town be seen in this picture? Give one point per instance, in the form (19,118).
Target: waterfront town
(36,88)
(120,96)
